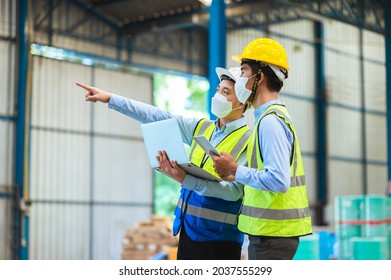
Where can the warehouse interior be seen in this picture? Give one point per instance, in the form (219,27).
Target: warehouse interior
(75,180)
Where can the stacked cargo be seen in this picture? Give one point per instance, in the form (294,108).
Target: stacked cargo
(347,223)
(388,213)
(362,227)
(148,239)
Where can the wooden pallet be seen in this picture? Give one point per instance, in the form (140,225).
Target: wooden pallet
(148,238)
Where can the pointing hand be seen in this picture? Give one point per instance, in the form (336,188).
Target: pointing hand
(95,94)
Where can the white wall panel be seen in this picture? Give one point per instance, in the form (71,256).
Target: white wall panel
(345,178)
(376,129)
(342,63)
(60,161)
(5,227)
(344,130)
(302,114)
(341,36)
(130,86)
(310,178)
(8,18)
(375,86)
(6,152)
(7,78)
(374,46)
(59,232)
(110,225)
(301,77)
(122,171)
(60,166)
(377,179)
(301,56)
(306,28)
(343,79)
(7,109)
(73,169)
(56,101)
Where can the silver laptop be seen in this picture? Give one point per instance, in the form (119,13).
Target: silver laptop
(166,135)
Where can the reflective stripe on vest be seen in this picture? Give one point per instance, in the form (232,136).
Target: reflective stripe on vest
(274,214)
(209,214)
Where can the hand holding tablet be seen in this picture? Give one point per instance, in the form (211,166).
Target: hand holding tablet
(206,145)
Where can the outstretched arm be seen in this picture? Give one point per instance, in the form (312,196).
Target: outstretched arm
(139,111)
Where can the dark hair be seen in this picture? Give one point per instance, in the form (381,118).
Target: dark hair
(225,77)
(272,82)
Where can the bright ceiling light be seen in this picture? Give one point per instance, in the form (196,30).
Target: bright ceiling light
(206,2)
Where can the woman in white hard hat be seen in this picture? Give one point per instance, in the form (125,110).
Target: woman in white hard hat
(275,210)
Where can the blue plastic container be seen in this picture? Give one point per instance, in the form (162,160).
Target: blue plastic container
(308,248)
(369,248)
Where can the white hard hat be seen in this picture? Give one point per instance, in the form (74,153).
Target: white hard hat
(233,73)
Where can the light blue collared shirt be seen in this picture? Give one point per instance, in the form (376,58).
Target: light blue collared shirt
(275,143)
(146,113)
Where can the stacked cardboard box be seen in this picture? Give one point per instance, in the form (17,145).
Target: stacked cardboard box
(148,238)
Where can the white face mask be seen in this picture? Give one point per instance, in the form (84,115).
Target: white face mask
(241,91)
(221,107)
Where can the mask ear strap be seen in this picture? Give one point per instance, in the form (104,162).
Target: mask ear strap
(255,85)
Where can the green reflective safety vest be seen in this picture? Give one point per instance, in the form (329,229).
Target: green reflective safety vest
(210,218)
(266,213)
(234,144)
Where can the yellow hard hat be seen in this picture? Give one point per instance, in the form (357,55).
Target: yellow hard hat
(265,50)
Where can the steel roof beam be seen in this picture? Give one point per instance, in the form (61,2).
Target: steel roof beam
(367,14)
(191,19)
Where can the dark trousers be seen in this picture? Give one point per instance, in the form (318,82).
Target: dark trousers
(209,250)
(272,248)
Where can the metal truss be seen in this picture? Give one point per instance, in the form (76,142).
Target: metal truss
(152,37)
(262,19)
(104,28)
(366,14)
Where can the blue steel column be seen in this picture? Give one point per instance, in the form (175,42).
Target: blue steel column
(23,47)
(321,158)
(217,45)
(387,19)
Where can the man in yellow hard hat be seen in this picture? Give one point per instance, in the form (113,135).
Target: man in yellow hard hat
(275,210)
